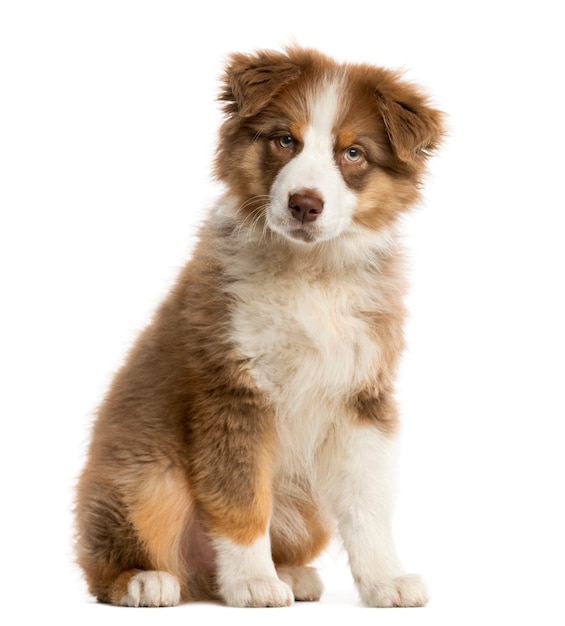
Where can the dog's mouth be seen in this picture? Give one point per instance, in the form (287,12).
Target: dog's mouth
(306,233)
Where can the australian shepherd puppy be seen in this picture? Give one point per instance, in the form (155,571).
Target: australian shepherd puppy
(256,414)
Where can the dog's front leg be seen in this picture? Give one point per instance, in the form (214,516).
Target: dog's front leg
(231,478)
(361,495)
(246,575)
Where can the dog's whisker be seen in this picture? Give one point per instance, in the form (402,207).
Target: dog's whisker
(249,222)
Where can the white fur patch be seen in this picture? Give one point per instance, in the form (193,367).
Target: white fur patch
(152,589)
(315,169)
(306,339)
(247,575)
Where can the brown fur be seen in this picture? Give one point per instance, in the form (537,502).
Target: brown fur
(183,446)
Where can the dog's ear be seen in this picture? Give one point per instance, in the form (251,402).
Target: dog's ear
(251,81)
(415,129)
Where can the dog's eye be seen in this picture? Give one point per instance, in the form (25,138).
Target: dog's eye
(353,155)
(286,141)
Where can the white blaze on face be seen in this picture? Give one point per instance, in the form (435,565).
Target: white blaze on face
(314,169)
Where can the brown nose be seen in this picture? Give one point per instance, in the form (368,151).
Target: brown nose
(305,205)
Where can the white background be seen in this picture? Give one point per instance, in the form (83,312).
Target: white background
(107,130)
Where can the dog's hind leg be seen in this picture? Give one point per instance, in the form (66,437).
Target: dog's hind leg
(145,588)
(304,581)
(299,532)
(131,550)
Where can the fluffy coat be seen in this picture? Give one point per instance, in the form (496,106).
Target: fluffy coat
(256,414)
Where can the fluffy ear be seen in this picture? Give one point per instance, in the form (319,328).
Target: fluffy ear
(415,130)
(251,81)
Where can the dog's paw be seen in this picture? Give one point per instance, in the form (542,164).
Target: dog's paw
(304,582)
(404,591)
(152,589)
(267,591)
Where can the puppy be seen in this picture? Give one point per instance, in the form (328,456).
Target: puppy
(255,416)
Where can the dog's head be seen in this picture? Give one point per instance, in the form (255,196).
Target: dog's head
(312,149)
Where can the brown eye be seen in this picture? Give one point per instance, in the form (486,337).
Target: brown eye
(286,141)
(353,155)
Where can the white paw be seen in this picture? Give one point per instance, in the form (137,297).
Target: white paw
(408,590)
(304,582)
(152,589)
(267,591)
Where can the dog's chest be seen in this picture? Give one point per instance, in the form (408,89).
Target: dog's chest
(309,342)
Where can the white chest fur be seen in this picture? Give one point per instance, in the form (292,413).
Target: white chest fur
(305,338)
(310,345)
